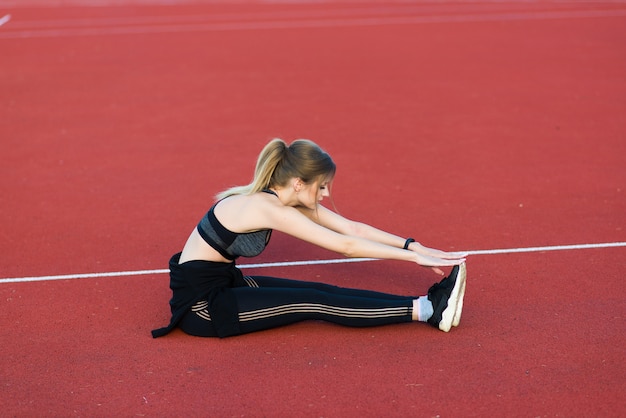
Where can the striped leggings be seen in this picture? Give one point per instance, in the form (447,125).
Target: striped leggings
(268,302)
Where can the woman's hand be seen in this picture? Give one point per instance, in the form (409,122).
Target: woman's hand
(430,257)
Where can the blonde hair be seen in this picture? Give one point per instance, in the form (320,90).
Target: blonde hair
(278,163)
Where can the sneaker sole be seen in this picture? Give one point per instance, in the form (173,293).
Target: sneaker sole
(459,305)
(447,316)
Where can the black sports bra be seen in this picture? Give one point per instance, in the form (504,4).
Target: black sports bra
(232,244)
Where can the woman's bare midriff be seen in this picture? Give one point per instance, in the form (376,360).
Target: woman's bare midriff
(197,249)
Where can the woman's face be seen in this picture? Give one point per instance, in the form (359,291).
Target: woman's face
(312,194)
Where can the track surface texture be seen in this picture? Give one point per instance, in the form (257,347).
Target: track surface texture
(468,125)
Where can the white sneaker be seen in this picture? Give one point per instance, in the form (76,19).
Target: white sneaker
(444,296)
(459,304)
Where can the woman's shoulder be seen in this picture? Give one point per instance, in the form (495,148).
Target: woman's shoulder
(248,198)
(247,212)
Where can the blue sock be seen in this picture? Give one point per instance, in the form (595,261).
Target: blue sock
(424,308)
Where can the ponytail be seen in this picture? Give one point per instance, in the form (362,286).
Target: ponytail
(279,162)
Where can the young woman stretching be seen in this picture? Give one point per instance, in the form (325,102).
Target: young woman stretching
(211,297)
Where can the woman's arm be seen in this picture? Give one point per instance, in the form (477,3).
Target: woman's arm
(337,234)
(346,226)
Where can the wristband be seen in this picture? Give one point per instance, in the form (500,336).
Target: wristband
(407,242)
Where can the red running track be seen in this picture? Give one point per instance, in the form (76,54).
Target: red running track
(471,126)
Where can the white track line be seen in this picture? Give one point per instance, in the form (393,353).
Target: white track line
(308,23)
(311,262)
(4,19)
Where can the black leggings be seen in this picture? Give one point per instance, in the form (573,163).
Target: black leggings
(269,302)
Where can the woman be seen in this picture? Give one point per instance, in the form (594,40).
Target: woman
(211,297)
